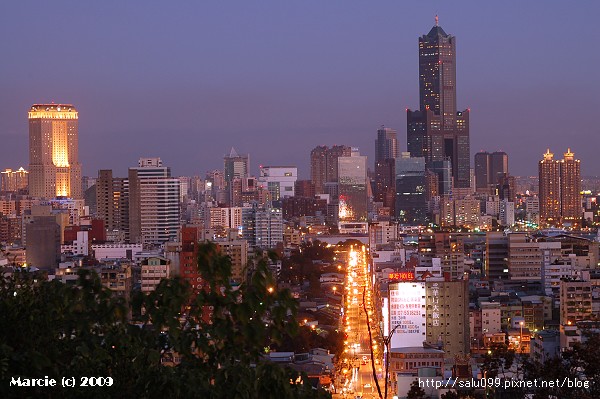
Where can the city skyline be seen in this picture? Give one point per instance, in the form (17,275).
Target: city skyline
(217,89)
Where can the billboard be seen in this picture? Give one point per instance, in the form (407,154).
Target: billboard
(407,314)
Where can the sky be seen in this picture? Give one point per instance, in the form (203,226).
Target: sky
(187,80)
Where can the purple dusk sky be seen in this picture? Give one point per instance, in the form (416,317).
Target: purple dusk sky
(186,80)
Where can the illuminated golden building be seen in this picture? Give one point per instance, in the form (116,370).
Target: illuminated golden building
(570,188)
(560,189)
(14,180)
(54,168)
(549,170)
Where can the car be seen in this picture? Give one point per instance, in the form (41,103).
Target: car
(367,385)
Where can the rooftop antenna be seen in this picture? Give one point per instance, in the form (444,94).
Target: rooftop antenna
(437,20)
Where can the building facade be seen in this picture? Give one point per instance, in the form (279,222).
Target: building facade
(54,168)
(560,189)
(153,203)
(279,180)
(352,187)
(437,131)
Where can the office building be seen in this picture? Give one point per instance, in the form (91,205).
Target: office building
(411,201)
(304,188)
(437,131)
(324,165)
(489,169)
(447,315)
(386,151)
(112,204)
(279,180)
(153,203)
(352,187)
(482,172)
(496,255)
(235,166)
(262,227)
(43,242)
(386,145)
(54,168)
(225,218)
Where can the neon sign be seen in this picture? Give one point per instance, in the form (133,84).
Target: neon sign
(402,276)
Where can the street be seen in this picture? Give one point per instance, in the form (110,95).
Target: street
(357,374)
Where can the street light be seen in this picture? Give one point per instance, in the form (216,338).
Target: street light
(521,337)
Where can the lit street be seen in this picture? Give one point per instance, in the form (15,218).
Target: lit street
(357,374)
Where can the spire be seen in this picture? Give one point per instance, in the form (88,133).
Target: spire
(569,156)
(437,21)
(233,153)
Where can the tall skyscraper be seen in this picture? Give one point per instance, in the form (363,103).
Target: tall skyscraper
(318,167)
(324,165)
(386,151)
(490,168)
(235,167)
(570,187)
(411,201)
(54,168)
(386,145)
(498,166)
(438,131)
(549,174)
(352,187)
(560,189)
(153,203)
(14,180)
(112,204)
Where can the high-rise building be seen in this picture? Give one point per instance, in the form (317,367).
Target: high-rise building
(235,167)
(498,166)
(411,198)
(386,151)
(447,315)
(54,168)
(14,180)
(112,204)
(318,167)
(279,180)
(262,227)
(549,173)
(153,203)
(496,255)
(324,165)
(304,188)
(482,172)
(438,131)
(386,145)
(385,183)
(489,169)
(43,238)
(352,187)
(560,189)
(570,187)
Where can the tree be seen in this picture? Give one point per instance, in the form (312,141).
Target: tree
(57,330)
(415,391)
(579,363)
